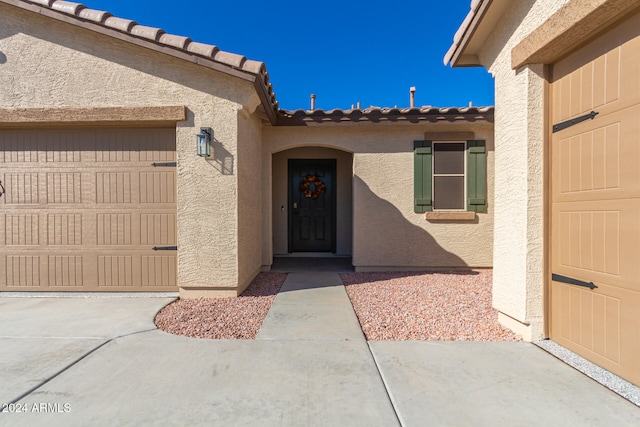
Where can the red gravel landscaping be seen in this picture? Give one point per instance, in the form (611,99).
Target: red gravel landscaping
(223,318)
(453,306)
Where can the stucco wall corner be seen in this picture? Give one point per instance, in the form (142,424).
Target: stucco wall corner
(519,236)
(249,193)
(207,200)
(519,252)
(535,201)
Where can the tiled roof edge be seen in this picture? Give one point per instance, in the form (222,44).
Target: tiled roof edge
(160,37)
(468,26)
(386,115)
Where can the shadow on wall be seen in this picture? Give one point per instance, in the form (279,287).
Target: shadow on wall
(5,34)
(383,237)
(221,159)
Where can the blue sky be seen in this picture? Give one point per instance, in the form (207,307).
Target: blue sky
(345,52)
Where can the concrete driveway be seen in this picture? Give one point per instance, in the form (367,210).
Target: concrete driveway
(101,361)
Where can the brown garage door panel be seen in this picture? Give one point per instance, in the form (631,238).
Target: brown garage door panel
(595,201)
(24,229)
(598,241)
(83,210)
(62,148)
(602,325)
(601,77)
(27,271)
(598,158)
(96,272)
(148,271)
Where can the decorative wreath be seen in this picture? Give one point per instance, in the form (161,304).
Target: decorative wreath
(312,186)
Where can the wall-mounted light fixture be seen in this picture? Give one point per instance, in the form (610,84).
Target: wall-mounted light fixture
(203,147)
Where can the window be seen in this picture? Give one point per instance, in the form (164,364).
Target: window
(450,176)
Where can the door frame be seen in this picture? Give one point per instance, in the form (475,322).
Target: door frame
(330,164)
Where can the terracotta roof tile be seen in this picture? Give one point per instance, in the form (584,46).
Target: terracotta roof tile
(256,67)
(232,59)
(94,15)
(159,36)
(180,42)
(202,49)
(150,33)
(463,27)
(44,2)
(68,7)
(124,25)
(385,115)
(467,26)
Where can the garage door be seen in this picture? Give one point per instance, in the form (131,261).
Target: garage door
(88,210)
(595,201)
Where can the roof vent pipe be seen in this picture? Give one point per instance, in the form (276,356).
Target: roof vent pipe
(358,104)
(412,96)
(313,101)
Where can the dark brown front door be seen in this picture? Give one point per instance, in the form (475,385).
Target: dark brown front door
(312,205)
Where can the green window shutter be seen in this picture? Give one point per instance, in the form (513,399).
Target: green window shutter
(422,176)
(476,176)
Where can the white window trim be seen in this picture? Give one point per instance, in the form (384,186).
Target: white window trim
(464,175)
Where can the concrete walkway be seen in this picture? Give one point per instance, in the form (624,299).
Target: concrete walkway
(98,361)
(311,307)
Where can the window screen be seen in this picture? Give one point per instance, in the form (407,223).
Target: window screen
(448,175)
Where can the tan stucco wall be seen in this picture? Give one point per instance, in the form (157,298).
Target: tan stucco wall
(250,188)
(387,234)
(47,63)
(519,236)
(344,213)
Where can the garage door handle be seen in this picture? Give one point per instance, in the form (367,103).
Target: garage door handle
(569,123)
(165,164)
(1,189)
(571,281)
(165,248)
